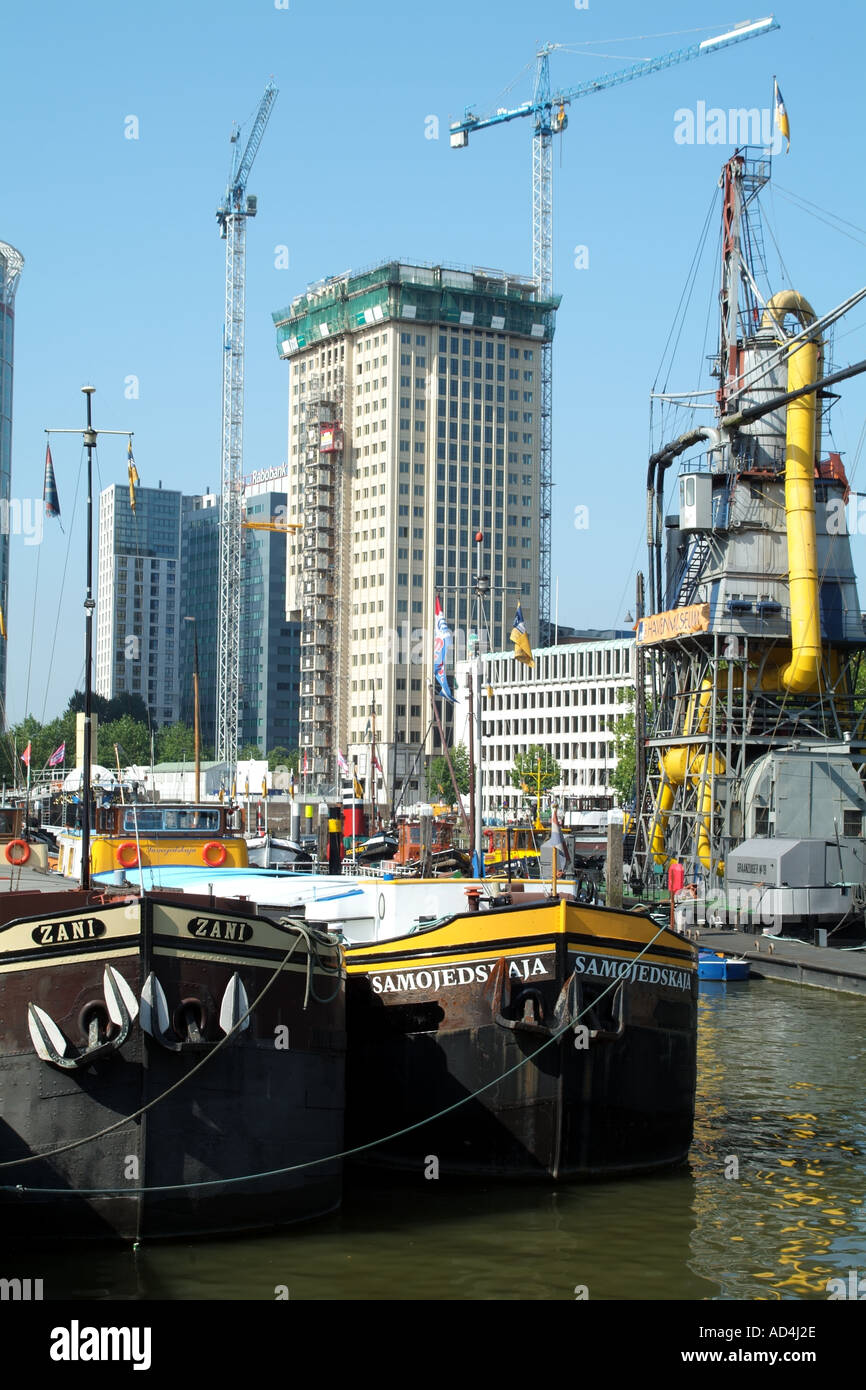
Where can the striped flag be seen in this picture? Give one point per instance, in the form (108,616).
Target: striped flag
(58,756)
(49,487)
(441,643)
(781,115)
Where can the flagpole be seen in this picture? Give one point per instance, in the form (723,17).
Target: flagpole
(27,796)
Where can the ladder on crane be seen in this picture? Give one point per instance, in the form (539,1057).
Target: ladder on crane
(232,216)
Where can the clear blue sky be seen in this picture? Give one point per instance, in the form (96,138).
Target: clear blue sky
(124,271)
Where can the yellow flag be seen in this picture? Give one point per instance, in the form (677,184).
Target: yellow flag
(781,115)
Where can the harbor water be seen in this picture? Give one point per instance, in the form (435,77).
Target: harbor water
(771,1205)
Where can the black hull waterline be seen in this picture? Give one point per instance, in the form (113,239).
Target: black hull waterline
(206,1111)
(585,1083)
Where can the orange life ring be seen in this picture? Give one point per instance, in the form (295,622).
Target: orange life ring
(19,859)
(122,858)
(221,853)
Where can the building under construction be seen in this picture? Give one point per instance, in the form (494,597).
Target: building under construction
(415,423)
(753,636)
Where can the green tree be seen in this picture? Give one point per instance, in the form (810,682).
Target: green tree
(535,764)
(439,782)
(175,743)
(622,780)
(248,752)
(132,737)
(281,757)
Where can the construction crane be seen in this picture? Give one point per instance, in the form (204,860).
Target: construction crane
(548,112)
(232,216)
(275,524)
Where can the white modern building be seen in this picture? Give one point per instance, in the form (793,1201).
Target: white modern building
(566,703)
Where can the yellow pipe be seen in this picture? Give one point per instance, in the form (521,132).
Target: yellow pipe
(802,671)
(804,365)
(675,766)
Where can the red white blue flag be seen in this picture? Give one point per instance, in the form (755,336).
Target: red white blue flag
(441,643)
(49,487)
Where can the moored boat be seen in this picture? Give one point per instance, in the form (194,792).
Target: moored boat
(157,1055)
(528,1039)
(137,834)
(713,965)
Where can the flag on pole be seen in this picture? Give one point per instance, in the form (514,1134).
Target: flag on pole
(49,487)
(441,643)
(556,839)
(356,785)
(377,765)
(25,756)
(781,115)
(133,475)
(58,756)
(342,764)
(520,638)
(306,765)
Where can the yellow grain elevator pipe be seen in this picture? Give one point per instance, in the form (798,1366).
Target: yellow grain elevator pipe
(804,366)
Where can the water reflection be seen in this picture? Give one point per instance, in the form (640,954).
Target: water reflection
(779,1104)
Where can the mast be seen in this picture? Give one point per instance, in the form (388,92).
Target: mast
(89,437)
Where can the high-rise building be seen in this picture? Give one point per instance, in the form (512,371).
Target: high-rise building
(269,658)
(414,425)
(11,262)
(270,644)
(159,566)
(200,550)
(139,605)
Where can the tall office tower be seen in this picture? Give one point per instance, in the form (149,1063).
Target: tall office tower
(11,262)
(139,604)
(414,424)
(200,551)
(269,657)
(270,643)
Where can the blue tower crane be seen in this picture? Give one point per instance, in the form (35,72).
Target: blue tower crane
(548,112)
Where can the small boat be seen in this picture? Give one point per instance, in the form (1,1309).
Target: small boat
(147,834)
(712,965)
(270,852)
